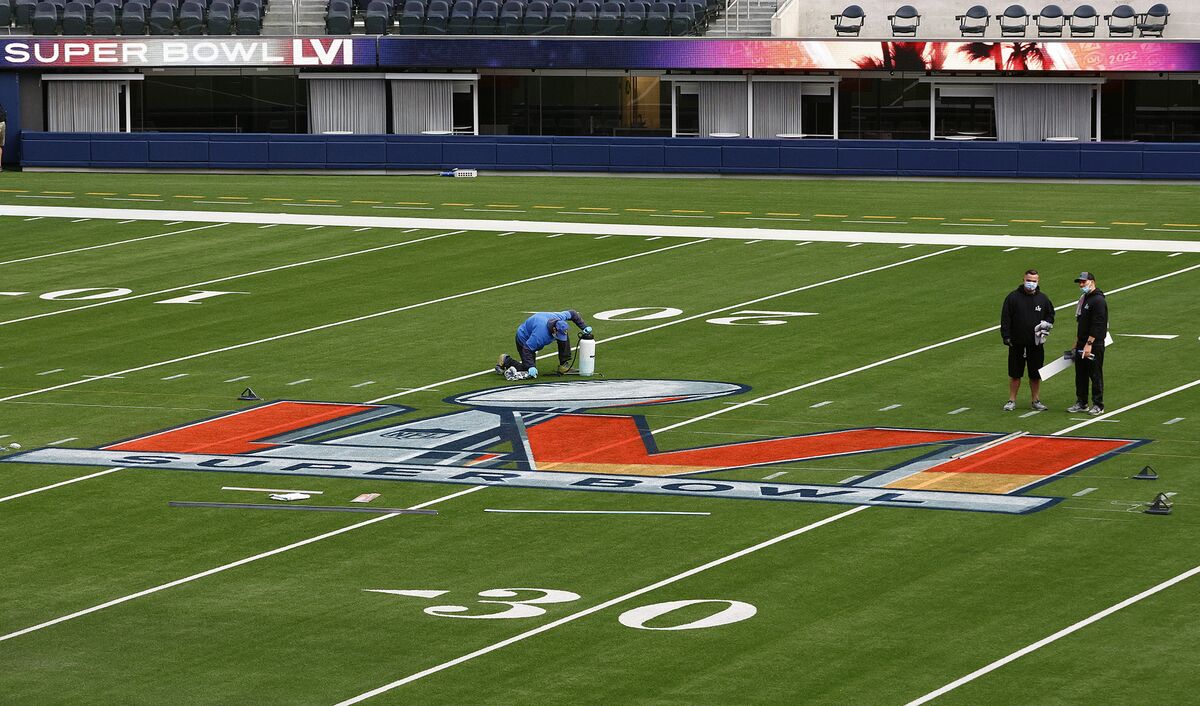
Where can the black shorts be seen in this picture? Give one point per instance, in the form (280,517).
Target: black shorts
(1019,356)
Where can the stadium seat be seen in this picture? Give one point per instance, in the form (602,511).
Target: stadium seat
(1050,21)
(23,12)
(337,19)
(162,18)
(559,21)
(45,18)
(191,18)
(905,21)
(537,14)
(584,21)
(608,23)
(133,19)
(510,17)
(249,18)
(850,22)
(1084,21)
(437,17)
(974,22)
(104,19)
(378,19)
(1152,22)
(462,16)
(220,19)
(634,22)
(1013,22)
(658,21)
(6,13)
(487,17)
(75,19)
(1121,22)
(412,18)
(683,20)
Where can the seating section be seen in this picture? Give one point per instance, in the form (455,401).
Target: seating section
(630,18)
(976,21)
(133,17)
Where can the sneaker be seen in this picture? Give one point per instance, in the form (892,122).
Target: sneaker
(1096,410)
(1077,407)
(499,369)
(1010,405)
(1037,404)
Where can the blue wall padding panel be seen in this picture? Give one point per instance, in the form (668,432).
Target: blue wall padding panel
(613,154)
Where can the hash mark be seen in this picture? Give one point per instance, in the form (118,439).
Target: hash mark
(847,480)
(300,381)
(602,237)
(49,372)
(1085,491)
(1176,420)
(1009,250)
(775,475)
(889,407)
(960,410)
(853,245)
(1030,414)
(241,377)
(820,404)
(1175,254)
(364,384)
(905,247)
(63,441)
(175,377)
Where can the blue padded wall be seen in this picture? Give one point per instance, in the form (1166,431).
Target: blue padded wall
(616,154)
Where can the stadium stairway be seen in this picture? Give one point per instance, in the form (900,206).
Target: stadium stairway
(744,18)
(308,17)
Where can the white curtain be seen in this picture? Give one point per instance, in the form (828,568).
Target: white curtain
(83,106)
(347,105)
(1031,112)
(722,107)
(777,108)
(422,104)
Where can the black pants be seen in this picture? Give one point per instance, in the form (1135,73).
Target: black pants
(529,357)
(1090,371)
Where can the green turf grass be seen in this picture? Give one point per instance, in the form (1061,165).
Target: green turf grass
(879,607)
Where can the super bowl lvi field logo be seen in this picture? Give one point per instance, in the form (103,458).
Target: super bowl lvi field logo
(542,436)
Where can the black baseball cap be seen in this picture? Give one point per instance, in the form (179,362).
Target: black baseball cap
(1084,276)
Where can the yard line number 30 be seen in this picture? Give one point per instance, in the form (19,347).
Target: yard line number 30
(729,611)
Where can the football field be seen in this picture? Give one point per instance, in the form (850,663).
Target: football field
(791,480)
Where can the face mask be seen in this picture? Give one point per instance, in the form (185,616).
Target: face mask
(1030,286)
(1084,288)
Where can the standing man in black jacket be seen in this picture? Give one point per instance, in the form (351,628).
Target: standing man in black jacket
(1024,309)
(1091,316)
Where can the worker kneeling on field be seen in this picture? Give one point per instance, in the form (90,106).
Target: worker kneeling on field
(535,334)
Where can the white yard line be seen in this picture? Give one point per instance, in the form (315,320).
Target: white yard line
(1095,617)
(231,565)
(731,233)
(60,484)
(595,512)
(356,319)
(117,242)
(602,606)
(229,278)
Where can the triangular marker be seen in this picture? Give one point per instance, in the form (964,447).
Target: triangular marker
(1146,473)
(248,395)
(1160,506)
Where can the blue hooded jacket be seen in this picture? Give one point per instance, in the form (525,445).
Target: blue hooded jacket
(535,334)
